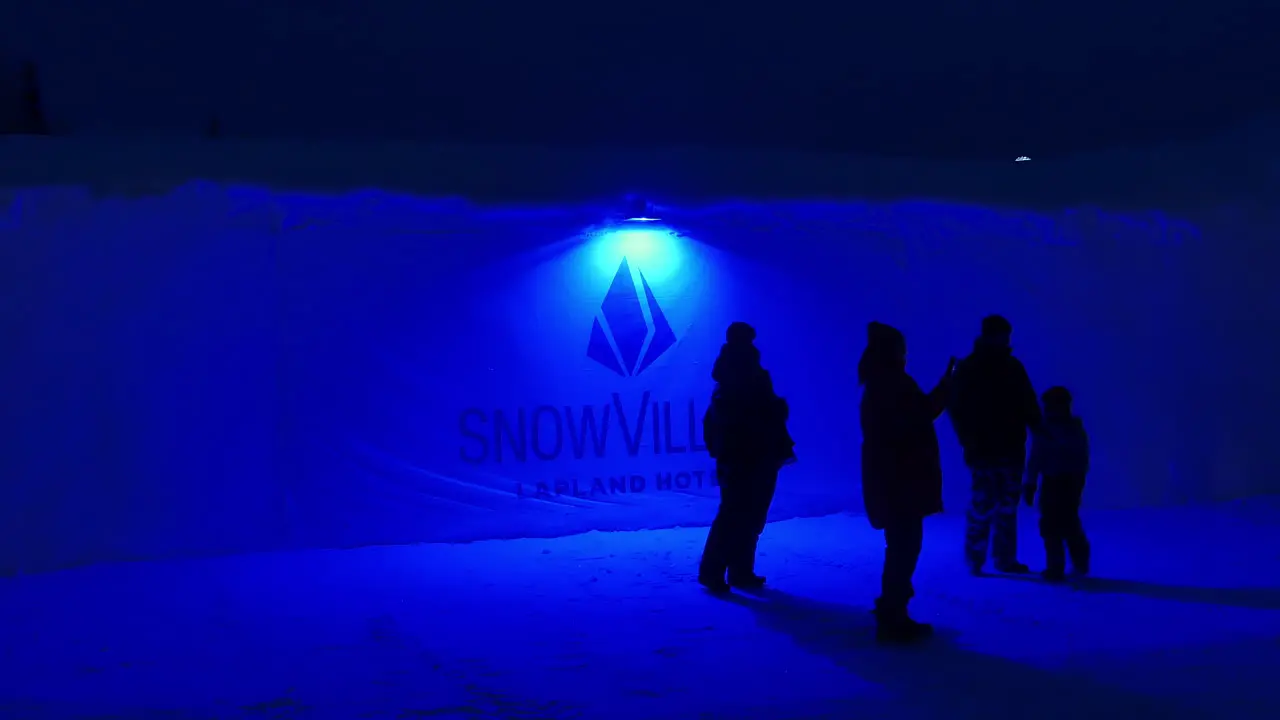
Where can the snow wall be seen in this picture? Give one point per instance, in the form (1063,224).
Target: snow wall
(235,346)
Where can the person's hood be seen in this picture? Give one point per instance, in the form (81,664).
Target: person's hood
(884,354)
(735,362)
(987,348)
(872,371)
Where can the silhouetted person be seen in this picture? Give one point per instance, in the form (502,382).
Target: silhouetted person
(745,430)
(901,470)
(992,406)
(1059,454)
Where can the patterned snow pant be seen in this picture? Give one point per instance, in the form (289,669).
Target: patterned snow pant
(996,492)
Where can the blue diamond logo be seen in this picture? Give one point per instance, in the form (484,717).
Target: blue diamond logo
(630,332)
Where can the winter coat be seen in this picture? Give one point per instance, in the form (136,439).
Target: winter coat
(901,464)
(1059,447)
(992,405)
(746,422)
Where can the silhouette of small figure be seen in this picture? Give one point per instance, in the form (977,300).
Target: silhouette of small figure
(1059,454)
(901,470)
(745,431)
(992,406)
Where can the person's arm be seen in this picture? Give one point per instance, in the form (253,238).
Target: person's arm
(941,393)
(1084,441)
(711,431)
(1027,398)
(958,404)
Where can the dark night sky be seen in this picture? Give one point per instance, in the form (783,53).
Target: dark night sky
(915,77)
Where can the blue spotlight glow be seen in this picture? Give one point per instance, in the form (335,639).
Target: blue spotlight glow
(655,248)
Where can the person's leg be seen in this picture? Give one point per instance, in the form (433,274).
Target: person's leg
(1076,540)
(903,539)
(742,563)
(1007,485)
(725,529)
(1051,531)
(981,509)
(1078,547)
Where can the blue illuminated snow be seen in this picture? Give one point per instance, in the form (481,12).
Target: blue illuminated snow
(612,625)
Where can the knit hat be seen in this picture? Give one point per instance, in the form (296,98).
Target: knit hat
(740,333)
(996,325)
(1057,396)
(880,335)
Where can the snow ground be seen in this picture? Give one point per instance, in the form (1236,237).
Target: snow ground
(1181,621)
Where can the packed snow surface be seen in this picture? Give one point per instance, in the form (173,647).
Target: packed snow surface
(1181,619)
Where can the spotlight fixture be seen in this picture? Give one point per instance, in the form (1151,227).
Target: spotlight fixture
(1022,158)
(638,210)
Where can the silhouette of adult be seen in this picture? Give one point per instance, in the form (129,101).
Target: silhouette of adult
(745,431)
(992,406)
(901,470)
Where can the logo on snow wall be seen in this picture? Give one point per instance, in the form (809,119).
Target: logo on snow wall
(630,331)
(639,443)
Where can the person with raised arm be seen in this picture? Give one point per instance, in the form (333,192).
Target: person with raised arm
(901,470)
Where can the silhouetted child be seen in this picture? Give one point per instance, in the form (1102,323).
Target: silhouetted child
(1059,463)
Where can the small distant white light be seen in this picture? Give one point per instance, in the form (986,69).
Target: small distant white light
(1021,158)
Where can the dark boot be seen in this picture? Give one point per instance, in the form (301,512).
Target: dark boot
(742,571)
(713,584)
(1013,567)
(894,625)
(711,570)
